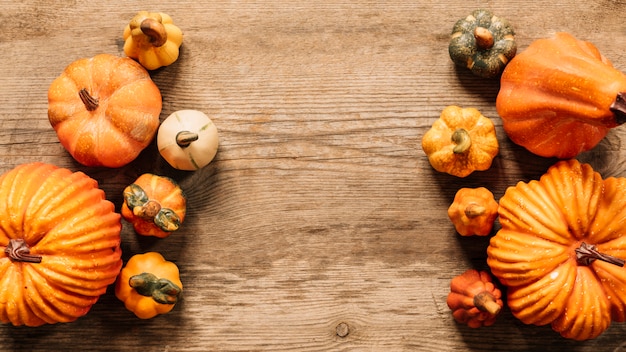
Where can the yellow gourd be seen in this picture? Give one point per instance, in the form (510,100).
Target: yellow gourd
(461,141)
(152,39)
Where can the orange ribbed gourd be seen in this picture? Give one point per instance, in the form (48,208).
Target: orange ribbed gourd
(561,249)
(61,244)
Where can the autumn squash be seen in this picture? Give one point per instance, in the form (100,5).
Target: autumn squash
(187,140)
(560,97)
(61,241)
(153,39)
(483,43)
(561,250)
(474,299)
(105,110)
(149,285)
(461,141)
(155,205)
(473,211)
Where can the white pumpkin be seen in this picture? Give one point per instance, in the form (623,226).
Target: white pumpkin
(187,140)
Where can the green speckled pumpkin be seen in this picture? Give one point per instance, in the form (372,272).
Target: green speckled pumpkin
(482,42)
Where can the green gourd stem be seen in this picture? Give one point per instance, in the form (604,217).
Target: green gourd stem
(167,220)
(462,139)
(18,250)
(618,108)
(587,254)
(162,291)
(486,302)
(154,30)
(184,138)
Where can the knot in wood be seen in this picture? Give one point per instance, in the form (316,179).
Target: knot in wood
(342,330)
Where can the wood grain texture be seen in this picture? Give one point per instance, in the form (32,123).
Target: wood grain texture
(320,225)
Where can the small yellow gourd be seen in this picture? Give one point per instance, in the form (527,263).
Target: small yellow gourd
(461,141)
(188,140)
(152,39)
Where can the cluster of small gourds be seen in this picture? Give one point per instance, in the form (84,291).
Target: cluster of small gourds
(61,235)
(562,239)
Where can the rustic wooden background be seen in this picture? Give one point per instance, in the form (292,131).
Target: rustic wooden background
(320,225)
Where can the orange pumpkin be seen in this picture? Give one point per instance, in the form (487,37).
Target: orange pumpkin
(560,97)
(474,299)
(561,250)
(105,110)
(473,211)
(155,205)
(149,285)
(61,241)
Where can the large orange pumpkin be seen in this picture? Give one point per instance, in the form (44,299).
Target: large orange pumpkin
(561,250)
(105,110)
(61,241)
(560,97)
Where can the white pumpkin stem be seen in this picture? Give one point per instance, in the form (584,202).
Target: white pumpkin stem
(184,138)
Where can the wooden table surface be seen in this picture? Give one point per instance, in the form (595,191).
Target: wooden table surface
(320,225)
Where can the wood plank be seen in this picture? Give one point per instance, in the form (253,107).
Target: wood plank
(320,225)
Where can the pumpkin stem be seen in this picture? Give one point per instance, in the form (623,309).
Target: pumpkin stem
(154,30)
(91,103)
(484,38)
(462,139)
(473,210)
(587,254)
(148,210)
(486,302)
(184,138)
(161,290)
(18,250)
(618,108)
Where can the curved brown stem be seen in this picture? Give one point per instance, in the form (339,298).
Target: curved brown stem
(587,254)
(155,30)
(91,103)
(18,250)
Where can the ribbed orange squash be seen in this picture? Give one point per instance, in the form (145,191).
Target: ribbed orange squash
(560,97)
(61,241)
(560,250)
(104,109)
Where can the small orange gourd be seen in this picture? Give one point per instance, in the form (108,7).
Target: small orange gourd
(155,205)
(474,299)
(60,241)
(473,211)
(149,285)
(105,110)
(560,97)
(561,250)
(461,141)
